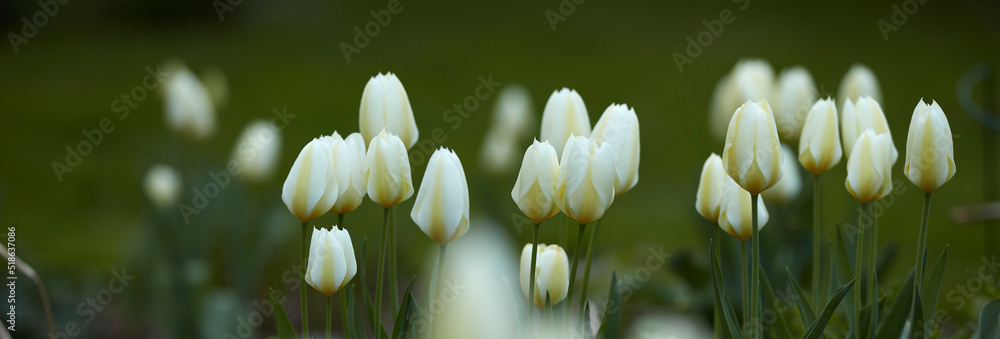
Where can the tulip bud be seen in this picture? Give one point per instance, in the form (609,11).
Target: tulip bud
(586,179)
(387,170)
(384,105)
(162,185)
(513,118)
(819,146)
(311,187)
(499,153)
(794,94)
(749,80)
(869,168)
(349,161)
(551,274)
(442,206)
(565,115)
(535,188)
(860,115)
(930,150)
(859,82)
(752,155)
(619,126)
(736,217)
(257,151)
(188,107)
(331,260)
(790,184)
(710,188)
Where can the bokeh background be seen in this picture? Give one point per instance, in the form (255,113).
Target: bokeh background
(77,230)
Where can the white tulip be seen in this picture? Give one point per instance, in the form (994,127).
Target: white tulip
(499,153)
(859,81)
(384,105)
(257,151)
(869,168)
(331,260)
(750,79)
(819,146)
(565,115)
(586,179)
(551,274)
(619,126)
(535,188)
(794,94)
(162,185)
(788,188)
(188,107)
(930,150)
(311,187)
(736,216)
(860,115)
(710,188)
(442,206)
(752,154)
(387,170)
(513,119)
(349,161)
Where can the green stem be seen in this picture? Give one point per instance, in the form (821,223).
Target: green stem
(754,282)
(329,315)
(393,283)
(378,276)
(305,261)
(746,287)
(586,267)
(437,287)
(572,270)
(857,270)
(531,286)
(717,317)
(921,244)
(340,221)
(817,242)
(872,271)
(345,321)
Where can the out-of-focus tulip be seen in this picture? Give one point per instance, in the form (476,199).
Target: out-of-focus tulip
(788,188)
(586,179)
(257,152)
(750,79)
(442,206)
(349,160)
(710,188)
(551,274)
(217,86)
(736,217)
(384,105)
(752,155)
(869,168)
(819,146)
(670,325)
(311,187)
(513,119)
(535,188)
(331,260)
(860,115)
(793,95)
(162,185)
(930,150)
(619,126)
(859,81)
(188,107)
(564,115)
(387,170)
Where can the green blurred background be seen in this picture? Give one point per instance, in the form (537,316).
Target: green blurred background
(287,54)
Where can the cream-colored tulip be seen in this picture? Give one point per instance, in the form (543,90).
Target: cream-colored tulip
(564,115)
(311,187)
(162,185)
(188,107)
(535,188)
(442,206)
(349,160)
(387,170)
(869,168)
(586,179)
(859,81)
(551,274)
(752,155)
(619,126)
(788,188)
(750,79)
(384,105)
(257,152)
(331,260)
(736,217)
(513,120)
(859,115)
(930,150)
(710,188)
(794,94)
(819,146)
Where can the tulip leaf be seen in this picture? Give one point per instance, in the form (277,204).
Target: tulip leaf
(892,324)
(357,321)
(612,321)
(781,329)
(917,317)
(285,329)
(845,270)
(816,329)
(932,288)
(721,298)
(370,306)
(586,320)
(989,321)
(800,299)
(403,316)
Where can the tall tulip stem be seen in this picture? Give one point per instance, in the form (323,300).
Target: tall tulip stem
(921,244)
(754,283)
(572,270)
(746,287)
(393,283)
(817,242)
(857,270)
(437,287)
(872,270)
(378,276)
(302,287)
(329,317)
(586,267)
(531,286)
